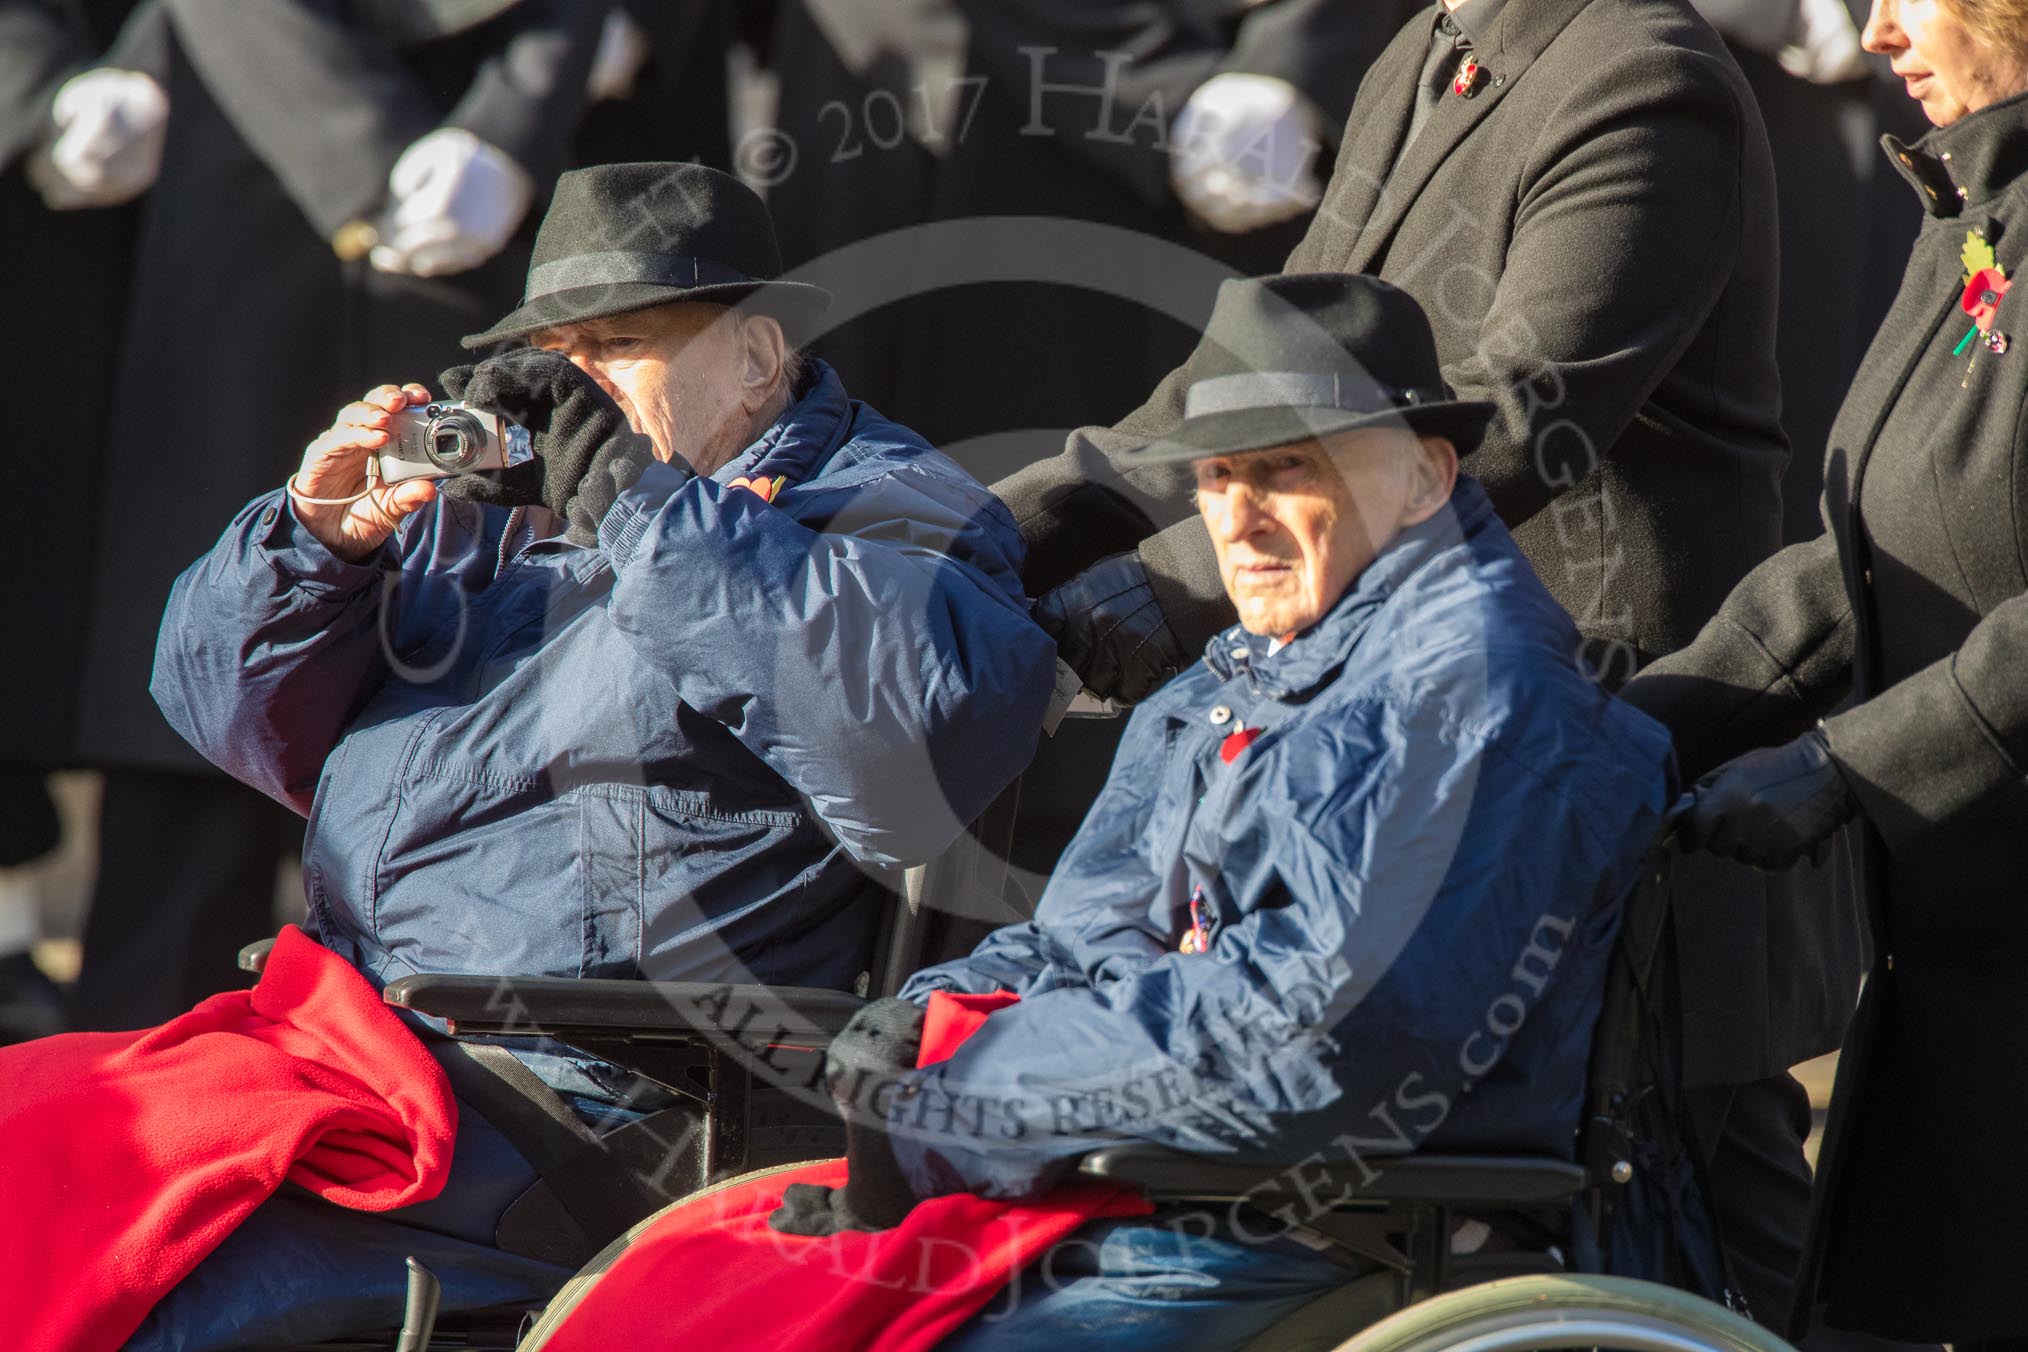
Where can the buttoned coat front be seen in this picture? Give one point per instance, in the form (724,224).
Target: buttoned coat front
(1914,602)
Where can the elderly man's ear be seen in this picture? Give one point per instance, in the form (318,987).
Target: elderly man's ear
(763,353)
(1434,473)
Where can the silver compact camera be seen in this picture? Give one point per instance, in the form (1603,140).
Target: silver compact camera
(442,439)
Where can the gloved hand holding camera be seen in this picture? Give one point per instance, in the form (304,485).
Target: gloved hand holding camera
(586,454)
(860,1069)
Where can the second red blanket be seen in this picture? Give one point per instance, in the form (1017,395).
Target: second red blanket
(711,1273)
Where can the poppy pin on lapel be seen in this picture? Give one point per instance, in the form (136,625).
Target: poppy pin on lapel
(1986,285)
(1467,83)
(764,489)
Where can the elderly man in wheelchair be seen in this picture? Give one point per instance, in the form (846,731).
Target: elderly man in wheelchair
(1350,890)
(672,693)
(1350,894)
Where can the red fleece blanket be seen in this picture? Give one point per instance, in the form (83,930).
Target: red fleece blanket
(130,1156)
(710,1273)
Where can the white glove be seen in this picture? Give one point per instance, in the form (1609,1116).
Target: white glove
(1826,49)
(110,125)
(1814,40)
(1244,152)
(623,50)
(457,201)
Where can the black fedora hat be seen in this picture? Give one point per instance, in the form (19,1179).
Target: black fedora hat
(624,237)
(1298,356)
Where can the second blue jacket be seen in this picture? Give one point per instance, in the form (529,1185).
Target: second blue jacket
(1405,838)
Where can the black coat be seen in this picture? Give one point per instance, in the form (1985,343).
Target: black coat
(59,328)
(1593,236)
(1914,603)
(245,332)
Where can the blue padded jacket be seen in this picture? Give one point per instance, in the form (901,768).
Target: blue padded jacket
(1407,834)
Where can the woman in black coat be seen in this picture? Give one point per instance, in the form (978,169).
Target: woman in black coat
(1912,610)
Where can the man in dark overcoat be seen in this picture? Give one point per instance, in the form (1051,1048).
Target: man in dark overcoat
(1580,194)
(245,327)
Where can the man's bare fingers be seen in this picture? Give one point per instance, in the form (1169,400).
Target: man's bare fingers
(387,398)
(363,414)
(417,394)
(409,495)
(339,443)
(380,512)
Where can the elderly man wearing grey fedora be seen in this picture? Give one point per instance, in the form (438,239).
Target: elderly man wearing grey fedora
(1581,196)
(667,697)
(1320,853)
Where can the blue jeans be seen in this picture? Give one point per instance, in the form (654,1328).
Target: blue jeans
(300,1269)
(1181,1278)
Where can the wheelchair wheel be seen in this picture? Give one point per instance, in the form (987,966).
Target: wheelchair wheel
(1543,1312)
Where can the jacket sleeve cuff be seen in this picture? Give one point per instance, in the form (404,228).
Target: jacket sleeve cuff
(280,539)
(627,522)
(1919,754)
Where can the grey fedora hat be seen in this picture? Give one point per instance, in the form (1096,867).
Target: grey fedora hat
(624,237)
(1298,356)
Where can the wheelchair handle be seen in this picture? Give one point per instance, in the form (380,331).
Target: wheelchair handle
(419,1311)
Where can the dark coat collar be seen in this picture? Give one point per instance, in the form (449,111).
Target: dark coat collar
(1316,655)
(1968,163)
(1505,50)
(1477,19)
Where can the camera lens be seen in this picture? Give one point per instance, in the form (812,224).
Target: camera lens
(454,441)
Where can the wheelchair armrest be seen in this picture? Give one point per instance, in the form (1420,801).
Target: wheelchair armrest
(660,1011)
(1445,1180)
(254,956)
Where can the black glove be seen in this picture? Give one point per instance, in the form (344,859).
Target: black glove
(1772,807)
(585,452)
(878,1044)
(1110,628)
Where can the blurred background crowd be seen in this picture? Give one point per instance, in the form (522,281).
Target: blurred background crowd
(225,218)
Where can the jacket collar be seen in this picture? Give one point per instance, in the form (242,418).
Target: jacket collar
(802,440)
(1517,35)
(1318,653)
(1968,163)
(1476,19)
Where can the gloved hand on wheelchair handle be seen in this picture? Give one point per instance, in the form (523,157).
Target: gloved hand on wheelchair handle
(1109,626)
(864,1060)
(1773,807)
(586,453)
